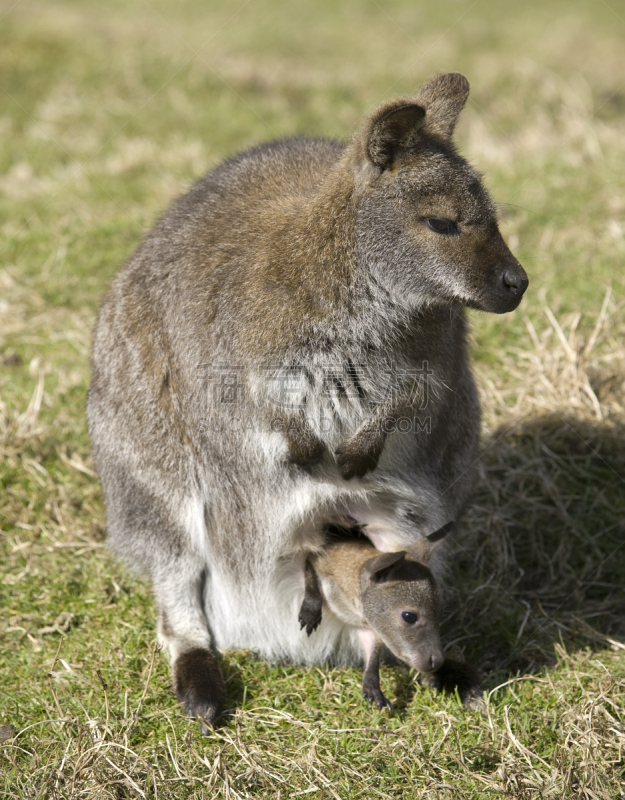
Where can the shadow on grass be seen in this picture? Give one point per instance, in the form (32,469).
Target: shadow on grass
(404,690)
(236,691)
(540,563)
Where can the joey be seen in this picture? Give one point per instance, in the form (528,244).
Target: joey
(392,600)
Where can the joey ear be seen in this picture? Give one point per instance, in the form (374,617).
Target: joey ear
(392,130)
(377,569)
(422,549)
(443,98)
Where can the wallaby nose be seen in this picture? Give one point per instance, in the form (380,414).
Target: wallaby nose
(515,281)
(436,661)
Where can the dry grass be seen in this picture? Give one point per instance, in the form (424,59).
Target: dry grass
(107,112)
(247,758)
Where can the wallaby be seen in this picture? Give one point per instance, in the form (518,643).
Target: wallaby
(390,598)
(287,351)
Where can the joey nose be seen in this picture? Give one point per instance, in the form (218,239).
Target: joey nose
(429,659)
(515,281)
(436,661)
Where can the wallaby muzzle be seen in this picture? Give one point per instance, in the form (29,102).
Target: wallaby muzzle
(505,291)
(428,658)
(515,282)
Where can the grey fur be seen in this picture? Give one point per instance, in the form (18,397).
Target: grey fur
(293,258)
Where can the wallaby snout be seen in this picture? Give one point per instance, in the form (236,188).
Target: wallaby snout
(515,281)
(510,285)
(428,655)
(498,281)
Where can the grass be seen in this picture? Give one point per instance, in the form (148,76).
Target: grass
(107,111)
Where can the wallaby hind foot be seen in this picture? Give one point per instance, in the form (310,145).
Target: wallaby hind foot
(199,685)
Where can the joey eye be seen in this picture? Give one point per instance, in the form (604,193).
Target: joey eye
(441,225)
(409,616)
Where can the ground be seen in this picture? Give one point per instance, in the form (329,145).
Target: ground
(109,110)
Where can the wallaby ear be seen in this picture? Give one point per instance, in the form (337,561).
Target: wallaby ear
(443,98)
(393,130)
(422,549)
(378,568)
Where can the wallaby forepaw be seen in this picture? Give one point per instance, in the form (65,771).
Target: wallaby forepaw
(309,619)
(461,676)
(199,686)
(374,695)
(354,464)
(473,698)
(305,450)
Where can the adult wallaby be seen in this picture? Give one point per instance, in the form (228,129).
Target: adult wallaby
(390,598)
(258,365)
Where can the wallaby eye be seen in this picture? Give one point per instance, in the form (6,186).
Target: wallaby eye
(409,616)
(441,225)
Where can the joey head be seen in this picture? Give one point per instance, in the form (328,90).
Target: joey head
(349,266)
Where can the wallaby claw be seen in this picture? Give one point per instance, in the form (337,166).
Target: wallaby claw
(308,620)
(372,695)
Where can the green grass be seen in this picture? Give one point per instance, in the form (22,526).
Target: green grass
(107,111)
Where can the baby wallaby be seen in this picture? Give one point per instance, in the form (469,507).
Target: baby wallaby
(392,599)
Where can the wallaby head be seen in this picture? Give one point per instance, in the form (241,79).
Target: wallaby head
(429,230)
(401,603)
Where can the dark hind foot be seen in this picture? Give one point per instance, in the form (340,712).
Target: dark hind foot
(457,675)
(198,684)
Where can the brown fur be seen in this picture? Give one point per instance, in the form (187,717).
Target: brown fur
(308,254)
